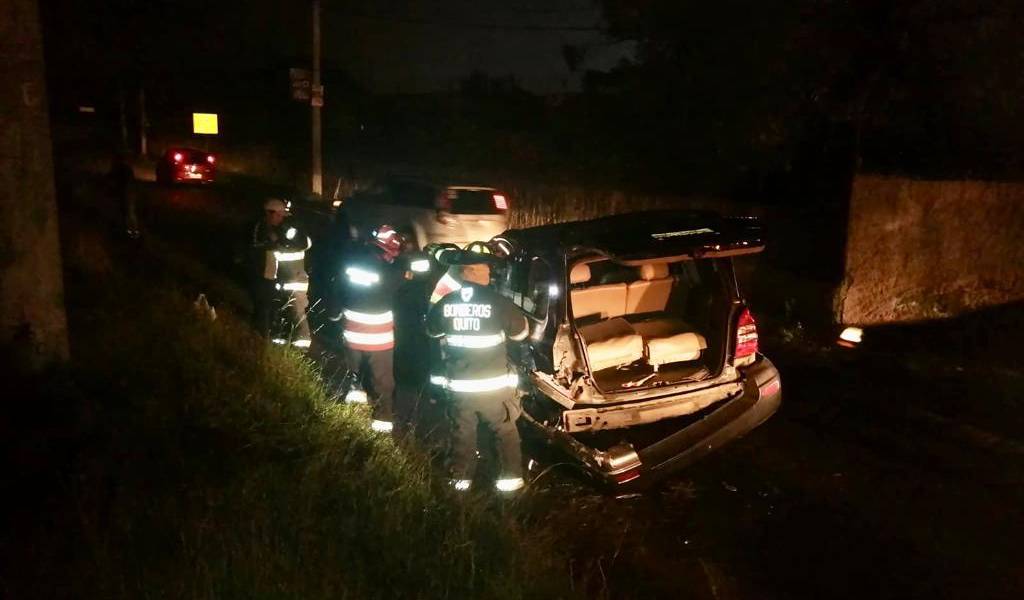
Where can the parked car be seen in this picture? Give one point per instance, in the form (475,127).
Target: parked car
(429,212)
(178,165)
(643,356)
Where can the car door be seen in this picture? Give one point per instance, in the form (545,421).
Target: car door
(528,284)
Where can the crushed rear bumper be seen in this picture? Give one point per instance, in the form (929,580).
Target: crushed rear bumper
(730,419)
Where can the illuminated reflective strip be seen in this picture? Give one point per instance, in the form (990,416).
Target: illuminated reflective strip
(420,266)
(475,341)
(289,256)
(290,234)
(370,318)
(370,339)
(510,484)
(362,277)
(476,385)
(298,286)
(302,343)
(356,397)
(279,341)
(446,285)
(381,426)
(461,484)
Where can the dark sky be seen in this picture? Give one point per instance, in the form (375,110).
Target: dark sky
(410,46)
(386,45)
(427,45)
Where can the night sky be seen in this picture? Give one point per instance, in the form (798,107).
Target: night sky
(388,46)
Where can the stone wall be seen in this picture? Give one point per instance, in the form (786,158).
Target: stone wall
(919,250)
(33,328)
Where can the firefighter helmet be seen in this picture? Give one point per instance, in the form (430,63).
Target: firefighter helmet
(388,240)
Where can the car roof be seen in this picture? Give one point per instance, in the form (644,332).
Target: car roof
(644,235)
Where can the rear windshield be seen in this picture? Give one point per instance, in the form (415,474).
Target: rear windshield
(474,202)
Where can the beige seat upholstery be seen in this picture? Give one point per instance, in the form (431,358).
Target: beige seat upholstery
(681,347)
(604,300)
(651,292)
(612,343)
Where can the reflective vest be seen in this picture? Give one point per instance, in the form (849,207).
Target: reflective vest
(370,284)
(290,260)
(474,325)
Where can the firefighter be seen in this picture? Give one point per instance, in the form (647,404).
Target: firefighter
(293,281)
(474,325)
(371,279)
(281,250)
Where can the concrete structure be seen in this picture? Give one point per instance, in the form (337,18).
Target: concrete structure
(33,326)
(919,250)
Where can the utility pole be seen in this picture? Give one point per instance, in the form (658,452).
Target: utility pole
(316,100)
(143,142)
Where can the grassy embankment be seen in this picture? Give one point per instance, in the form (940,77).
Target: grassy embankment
(182,457)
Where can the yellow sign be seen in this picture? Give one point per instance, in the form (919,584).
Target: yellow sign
(205,123)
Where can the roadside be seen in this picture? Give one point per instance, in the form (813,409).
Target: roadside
(179,456)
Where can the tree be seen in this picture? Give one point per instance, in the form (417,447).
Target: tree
(33,326)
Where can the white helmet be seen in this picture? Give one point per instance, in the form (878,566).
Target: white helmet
(275,205)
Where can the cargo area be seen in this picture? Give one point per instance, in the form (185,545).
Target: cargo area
(650,323)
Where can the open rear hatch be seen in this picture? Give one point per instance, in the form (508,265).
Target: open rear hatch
(652,307)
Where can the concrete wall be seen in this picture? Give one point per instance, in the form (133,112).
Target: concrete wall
(920,250)
(33,328)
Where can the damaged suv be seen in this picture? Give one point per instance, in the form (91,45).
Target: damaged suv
(643,355)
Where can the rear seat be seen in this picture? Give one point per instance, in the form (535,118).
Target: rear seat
(651,292)
(670,340)
(612,343)
(604,300)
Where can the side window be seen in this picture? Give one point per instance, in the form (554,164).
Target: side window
(535,293)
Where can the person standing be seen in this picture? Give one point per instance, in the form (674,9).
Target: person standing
(474,325)
(293,281)
(371,281)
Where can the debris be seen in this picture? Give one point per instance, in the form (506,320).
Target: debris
(639,382)
(203,307)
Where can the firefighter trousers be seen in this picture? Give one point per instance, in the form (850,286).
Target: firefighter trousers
(498,412)
(376,373)
(296,307)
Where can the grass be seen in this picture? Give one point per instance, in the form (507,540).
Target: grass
(182,457)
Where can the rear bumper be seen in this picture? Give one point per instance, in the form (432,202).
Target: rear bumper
(759,399)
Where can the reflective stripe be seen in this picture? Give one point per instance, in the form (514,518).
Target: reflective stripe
(419,266)
(279,341)
(461,485)
(490,384)
(370,339)
(509,484)
(289,256)
(370,318)
(362,277)
(475,341)
(297,286)
(356,397)
(302,343)
(446,285)
(290,234)
(381,426)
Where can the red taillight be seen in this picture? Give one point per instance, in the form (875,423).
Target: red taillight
(178,157)
(210,159)
(500,202)
(746,335)
(627,476)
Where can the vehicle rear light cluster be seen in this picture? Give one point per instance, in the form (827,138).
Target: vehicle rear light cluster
(210,159)
(746,335)
(500,202)
(178,157)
